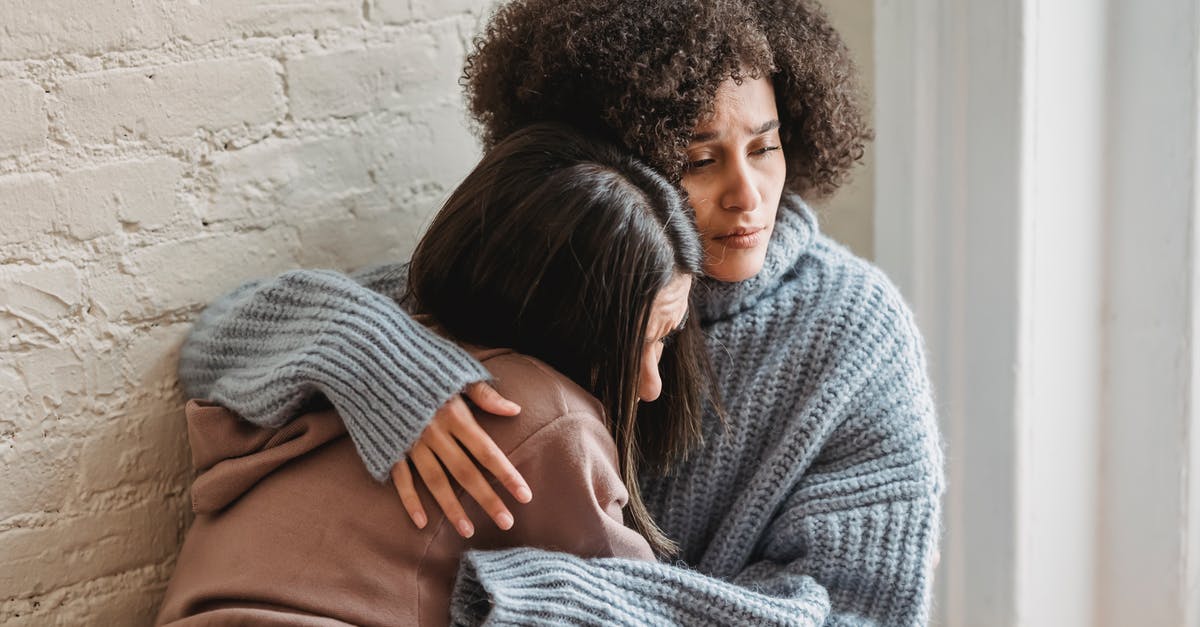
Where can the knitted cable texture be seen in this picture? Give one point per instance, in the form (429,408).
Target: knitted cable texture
(816,503)
(265,349)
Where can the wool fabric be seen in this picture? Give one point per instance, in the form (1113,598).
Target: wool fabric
(817,500)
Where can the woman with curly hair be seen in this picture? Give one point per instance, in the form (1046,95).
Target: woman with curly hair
(814,495)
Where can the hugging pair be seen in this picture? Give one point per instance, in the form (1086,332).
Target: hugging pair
(797,482)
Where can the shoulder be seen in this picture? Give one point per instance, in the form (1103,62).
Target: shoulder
(833,317)
(851,277)
(849,298)
(545,395)
(388,278)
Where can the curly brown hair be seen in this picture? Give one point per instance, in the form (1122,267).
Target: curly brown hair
(645,73)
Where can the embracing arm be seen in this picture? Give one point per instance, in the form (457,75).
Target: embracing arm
(536,587)
(266,348)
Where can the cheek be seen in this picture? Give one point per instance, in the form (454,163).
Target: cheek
(776,178)
(771,185)
(700,199)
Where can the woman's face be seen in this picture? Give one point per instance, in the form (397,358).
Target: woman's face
(667,314)
(735,178)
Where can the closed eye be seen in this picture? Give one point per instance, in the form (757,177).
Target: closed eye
(667,339)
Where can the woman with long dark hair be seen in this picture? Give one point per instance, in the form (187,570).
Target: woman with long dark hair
(564,266)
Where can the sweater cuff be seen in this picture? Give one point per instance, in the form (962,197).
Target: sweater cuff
(527,586)
(520,587)
(388,376)
(266,348)
(530,587)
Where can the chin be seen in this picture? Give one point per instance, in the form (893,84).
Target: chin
(734,272)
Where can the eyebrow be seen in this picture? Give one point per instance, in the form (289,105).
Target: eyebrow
(682,323)
(766,127)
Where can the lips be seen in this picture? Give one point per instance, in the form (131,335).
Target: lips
(743,237)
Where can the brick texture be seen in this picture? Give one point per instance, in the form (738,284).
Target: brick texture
(154,154)
(375,79)
(23,126)
(44,28)
(170,101)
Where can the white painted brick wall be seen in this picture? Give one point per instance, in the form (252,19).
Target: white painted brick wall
(154,154)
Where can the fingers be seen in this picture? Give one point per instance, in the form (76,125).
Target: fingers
(488,399)
(402,478)
(439,485)
(441,448)
(488,455)
(468,475)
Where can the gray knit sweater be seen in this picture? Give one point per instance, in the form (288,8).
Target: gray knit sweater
(817,504)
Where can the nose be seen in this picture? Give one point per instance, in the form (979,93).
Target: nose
(650,382)
(740,193)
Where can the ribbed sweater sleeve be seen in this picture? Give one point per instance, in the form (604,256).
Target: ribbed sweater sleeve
(538,587)
(534,587)
(266,348)
(849,540)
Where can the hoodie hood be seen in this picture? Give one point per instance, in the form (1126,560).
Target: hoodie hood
(230,455)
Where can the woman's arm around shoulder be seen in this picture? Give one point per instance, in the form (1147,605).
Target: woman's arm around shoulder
(266,348)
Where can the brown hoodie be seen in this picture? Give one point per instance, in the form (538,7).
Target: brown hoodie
(291,530)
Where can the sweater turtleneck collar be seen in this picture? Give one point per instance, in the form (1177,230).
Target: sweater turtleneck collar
(795,229)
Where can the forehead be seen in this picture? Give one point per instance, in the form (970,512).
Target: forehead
(740,108)
(672,300)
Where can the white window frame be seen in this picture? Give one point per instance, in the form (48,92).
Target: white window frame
(1036,191)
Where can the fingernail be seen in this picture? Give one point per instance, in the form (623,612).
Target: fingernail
(465,529)
(524,495)
(513,406)
(420,520)
(505,521)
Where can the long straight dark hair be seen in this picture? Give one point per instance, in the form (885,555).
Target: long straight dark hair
(556,246)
